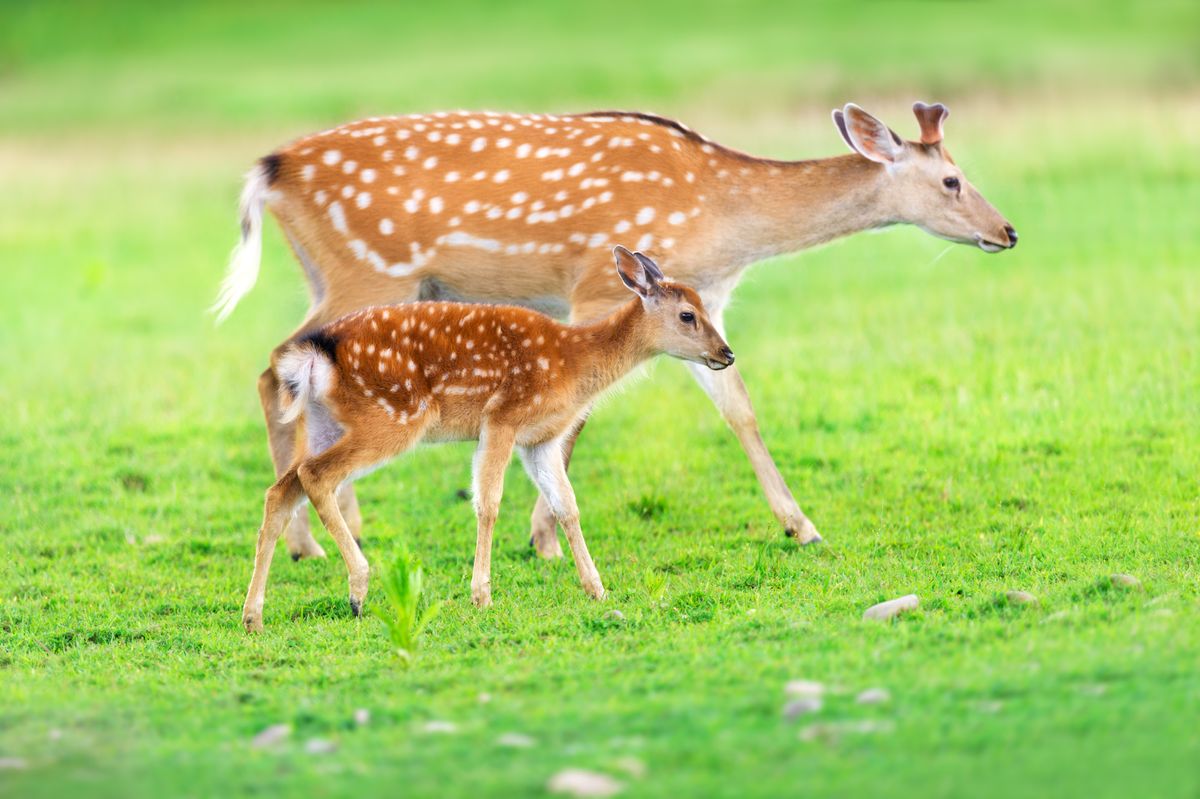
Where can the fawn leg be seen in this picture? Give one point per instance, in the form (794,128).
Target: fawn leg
(544,463)
(491,458)
(542,525)
(280,506)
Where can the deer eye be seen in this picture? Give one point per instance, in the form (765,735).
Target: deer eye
(951,183)
(687,317)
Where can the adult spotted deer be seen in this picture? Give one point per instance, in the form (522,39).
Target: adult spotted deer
(376,383)
(523,209)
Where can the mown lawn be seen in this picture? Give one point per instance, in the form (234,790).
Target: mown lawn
(957,425)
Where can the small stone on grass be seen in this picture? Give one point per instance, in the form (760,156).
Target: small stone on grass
(583,784)
(1125,581)
(13,764)
(614,615)
(320,746)
(1021,598)
(437,727)
(804,688)
(275,734)
(801,707)
(362,717)
(516,740)
(873,696)
(892,608)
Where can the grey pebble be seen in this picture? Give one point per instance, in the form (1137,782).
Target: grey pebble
(873,696)
(271,736)
(892,608)
(801,707)
(1021,598)
(320,746)
(1125,581)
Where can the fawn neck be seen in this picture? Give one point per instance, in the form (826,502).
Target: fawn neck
(777,207)
(609,349)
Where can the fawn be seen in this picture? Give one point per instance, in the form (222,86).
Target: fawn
(376,383)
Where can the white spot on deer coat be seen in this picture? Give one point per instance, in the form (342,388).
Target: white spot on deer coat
(331,157)
(645,216)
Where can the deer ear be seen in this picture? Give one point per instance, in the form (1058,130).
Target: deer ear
(867,136)
(930,118)
(633,272)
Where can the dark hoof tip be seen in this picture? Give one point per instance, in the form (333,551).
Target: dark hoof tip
(812,541)
(463,494)
(531,542)
(356,608)
(296,557)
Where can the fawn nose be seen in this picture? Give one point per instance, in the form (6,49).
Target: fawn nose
(727,354)
(1012,236)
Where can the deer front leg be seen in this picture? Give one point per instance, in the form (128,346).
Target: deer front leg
(282,500)
(543,526)
(546,467)
(491,459)
(727,391)
(282,439)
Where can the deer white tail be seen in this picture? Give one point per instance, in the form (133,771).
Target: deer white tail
(305,375)
(243,263)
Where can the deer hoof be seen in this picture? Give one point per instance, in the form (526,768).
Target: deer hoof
(804,532)
(252,622)
(356,607)
(482,596)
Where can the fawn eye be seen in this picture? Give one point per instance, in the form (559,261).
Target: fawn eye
(687,317)
(951,183)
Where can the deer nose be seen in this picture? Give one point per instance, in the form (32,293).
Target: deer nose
(727,354)
(1012,236)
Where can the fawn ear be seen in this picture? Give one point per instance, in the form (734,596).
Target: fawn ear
(648,264)
(639,274)
(867,136)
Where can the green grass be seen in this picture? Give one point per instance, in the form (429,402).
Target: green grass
(956,424)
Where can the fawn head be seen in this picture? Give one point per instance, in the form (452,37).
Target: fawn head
(928,189)
(680,326)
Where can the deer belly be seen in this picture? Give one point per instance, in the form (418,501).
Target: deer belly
(551,304)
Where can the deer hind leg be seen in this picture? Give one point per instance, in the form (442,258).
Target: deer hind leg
(281,503)
(547,468)
(543,526)
(323,474)
(727,391)
(491,459)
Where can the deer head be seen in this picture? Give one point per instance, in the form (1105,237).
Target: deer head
(677,323)
(928,189)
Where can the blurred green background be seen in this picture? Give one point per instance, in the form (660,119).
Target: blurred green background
(956,424)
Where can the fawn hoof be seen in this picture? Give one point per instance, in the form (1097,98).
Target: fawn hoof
(252,622)
(482,596)
(356,607)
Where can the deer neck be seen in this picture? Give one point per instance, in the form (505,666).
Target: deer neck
(609,349)
(777,207)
